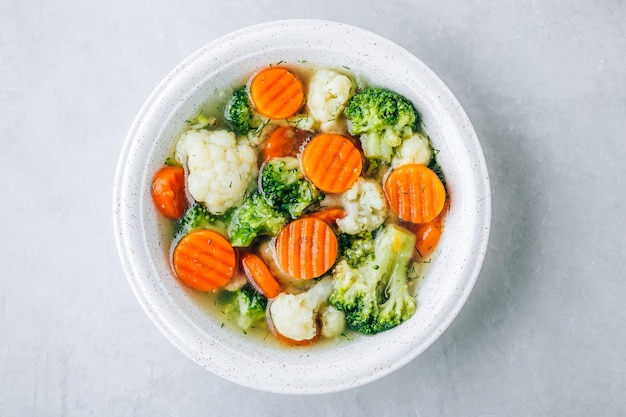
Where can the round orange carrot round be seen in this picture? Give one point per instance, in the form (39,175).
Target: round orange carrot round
(429,234)
(331,162)
(204,260)
(306,248)
(260,276)
(415,193)
(168,192)
(276,93)
(284,141)
(329,215)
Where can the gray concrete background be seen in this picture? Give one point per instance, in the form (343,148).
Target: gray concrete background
(543,333)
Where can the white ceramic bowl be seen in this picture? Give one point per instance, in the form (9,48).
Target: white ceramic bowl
(143,250)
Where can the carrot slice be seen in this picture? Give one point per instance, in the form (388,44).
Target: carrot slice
(276,93)
(329,215)
(429,234)
(279,143)
(168,192)
(331,162)
(284,141)
(260,276)
(306,248)
(415,193)
(204,260)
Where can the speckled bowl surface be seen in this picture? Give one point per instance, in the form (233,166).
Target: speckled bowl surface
(144,251)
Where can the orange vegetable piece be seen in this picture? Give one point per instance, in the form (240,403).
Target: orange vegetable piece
(168,192)
(276,93)
(204,260)
(279,143)
(329,215)
(306,248)
(415,193)
(331,162)
(284,141)
(260,276)
(429,234)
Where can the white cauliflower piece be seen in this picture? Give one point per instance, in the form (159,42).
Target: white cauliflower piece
(329,91)
(295,316)
(414,150)
(365,205)
(333,321)
(220,169)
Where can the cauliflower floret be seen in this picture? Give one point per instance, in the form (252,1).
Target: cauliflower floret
(295,316)
(220,169)
(329,91)
(365,205)
(333,321)
(414,150)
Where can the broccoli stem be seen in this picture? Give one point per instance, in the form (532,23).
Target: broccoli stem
(375,296)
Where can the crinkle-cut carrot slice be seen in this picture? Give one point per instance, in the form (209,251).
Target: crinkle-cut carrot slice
(306,248)
(331,162)
(415,193)
(204,260)
(276,92)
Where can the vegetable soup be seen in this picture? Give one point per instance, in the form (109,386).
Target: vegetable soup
(304,205)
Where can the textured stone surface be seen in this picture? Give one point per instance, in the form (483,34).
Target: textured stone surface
(543,332)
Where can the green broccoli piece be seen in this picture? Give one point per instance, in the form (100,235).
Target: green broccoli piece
(375,295)
(357,249)
(285,188)
(197,216)
(383,119)
(400,304)
(239,113)
(254,217)
(245,305)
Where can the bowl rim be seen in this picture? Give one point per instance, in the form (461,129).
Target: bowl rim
(128,248)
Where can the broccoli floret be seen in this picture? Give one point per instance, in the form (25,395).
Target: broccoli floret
(356,249)
(375,296)
(377,109)
(245,305)
(239,113)
(383,119)
(400,304)
(196,216)
(253,218)
(284,186)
